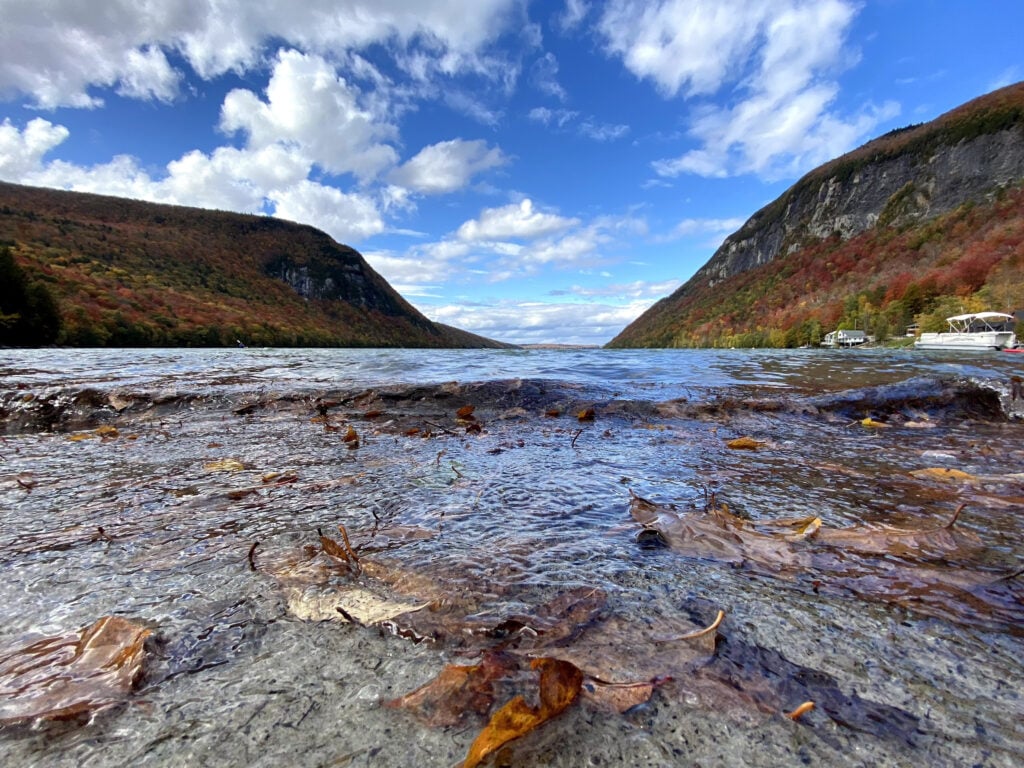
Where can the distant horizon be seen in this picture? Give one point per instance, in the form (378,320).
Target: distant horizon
(528,172)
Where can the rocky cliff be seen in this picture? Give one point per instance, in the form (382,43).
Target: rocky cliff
(912,175)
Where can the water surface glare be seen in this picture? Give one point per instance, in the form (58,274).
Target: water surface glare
(198,515)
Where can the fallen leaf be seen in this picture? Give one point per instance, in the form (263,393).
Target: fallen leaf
(869,422)
(459,690)
(346,603)
(465,412)
(744,444)
(224,465)
(587,414)
(559,686)
(945,475)
(58,678)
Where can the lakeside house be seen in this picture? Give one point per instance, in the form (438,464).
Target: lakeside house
(837,339)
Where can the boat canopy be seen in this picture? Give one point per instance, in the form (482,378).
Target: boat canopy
(1000,316)
(978,322)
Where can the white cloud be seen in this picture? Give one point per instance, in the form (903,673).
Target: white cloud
(532,322)
(544,74)
(688,227)
(21,152)
(447,166)
(574,13)
(546,116)
(310,107)
(603,131)
(774,58)
(346,217)
(519,221)
(122,43)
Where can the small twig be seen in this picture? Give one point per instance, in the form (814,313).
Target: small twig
(457,473)
(956,514)
(252,556)
(575,437)
(438,426)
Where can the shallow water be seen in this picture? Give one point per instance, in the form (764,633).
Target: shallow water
(925,651)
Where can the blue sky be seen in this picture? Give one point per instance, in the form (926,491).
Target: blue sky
(530,171)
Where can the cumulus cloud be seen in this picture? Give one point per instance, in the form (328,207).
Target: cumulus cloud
(447,166)
(532,322)
(21,152)
(777,56)
(344,216)
(309,106)
(518,221)
(123,43)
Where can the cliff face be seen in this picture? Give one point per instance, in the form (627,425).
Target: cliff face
(894,190)
(900,181)
(130,273)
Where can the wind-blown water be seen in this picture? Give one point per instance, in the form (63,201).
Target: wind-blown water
(496,515)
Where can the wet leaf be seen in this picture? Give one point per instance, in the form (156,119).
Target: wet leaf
(745,444)
(587,414)
(57,678)
(945,475)
(465,412)
(457,692)
(559,686)
(347,603)
(224,465)
(872,423)
(619,697)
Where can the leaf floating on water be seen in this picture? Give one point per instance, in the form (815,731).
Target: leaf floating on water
(745,444)
(224,465)
(465,412)
(59,678)
(587,414)
(945,475)
(873,424)
(560,684)
(552,413)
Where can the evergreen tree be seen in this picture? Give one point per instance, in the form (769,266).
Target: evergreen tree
(29,315)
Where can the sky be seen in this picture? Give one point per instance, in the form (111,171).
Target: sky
(535,172)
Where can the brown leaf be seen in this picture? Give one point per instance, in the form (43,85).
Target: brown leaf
(619,697)
(587,414)
(457,692)
(58,678)
(465,412)
(560,684)
(744,444)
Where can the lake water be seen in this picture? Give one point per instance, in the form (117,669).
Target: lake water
(198,519)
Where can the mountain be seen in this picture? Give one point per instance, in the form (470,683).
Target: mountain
(923,222)
(89,270)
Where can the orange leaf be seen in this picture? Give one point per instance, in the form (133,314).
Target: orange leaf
(465,412)
(744,444)
(560,684)
(587,414)
(58,678)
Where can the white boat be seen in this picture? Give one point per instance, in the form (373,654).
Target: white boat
(977,331)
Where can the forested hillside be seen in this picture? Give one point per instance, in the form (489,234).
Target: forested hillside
(106,271)
(922,223)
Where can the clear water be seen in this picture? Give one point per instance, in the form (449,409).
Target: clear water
(498,522)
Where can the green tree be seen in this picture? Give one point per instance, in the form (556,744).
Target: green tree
(29,315)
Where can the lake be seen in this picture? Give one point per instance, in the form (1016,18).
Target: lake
(292,541)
